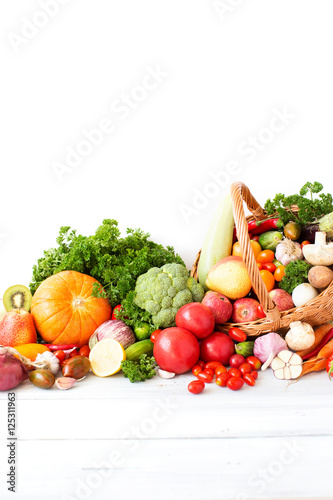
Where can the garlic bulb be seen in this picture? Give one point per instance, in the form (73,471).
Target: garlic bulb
(287,251)
(287,365)
(300,336)
(48,361)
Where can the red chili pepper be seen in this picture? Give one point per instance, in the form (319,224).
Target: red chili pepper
(259,227)
(65,347)
(328,336)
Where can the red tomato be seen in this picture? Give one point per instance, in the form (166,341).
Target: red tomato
(329,365)
(115,311)
(235,383)
(266,256)
(217,346)
(260,312)
(236,360)
(196,369)
(60,355)
(212,365)
(248,379)
(201,363)
(205,377)
(305,242)
(196,386)
(237,334)
(209,372)
(260,264)
(269,266)
(197,318)
(254,375)
(154,335)
(219,370)
(234,372)
(254,238)
(176,350)
(222,379)
(72,354)
(84,351)
(254,362)
(245,368)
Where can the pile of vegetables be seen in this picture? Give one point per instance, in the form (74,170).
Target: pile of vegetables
(107,304)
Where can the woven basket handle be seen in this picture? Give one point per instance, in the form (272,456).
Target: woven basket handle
(240,193)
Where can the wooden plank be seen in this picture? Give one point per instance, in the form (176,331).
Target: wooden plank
(191,469)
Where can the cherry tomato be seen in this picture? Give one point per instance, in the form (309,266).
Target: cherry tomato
(260,264)
(196,386)
(269,266)
(72,354)
(115,311)
(196,369)
(254,374)
(205,377)
(279,273)
(222,379)
(201,363)
(329,365)
(260,312)
(154,335)
(245,368)
(256,248)
(84,351)
(248,379)
(209,372)
(292,230)
(237,334)
(305,242)
(268,279)
(219,370)
(266,256)
(60,355)
(234,372)
(254,238)
(254,362)
(235,383)
(236,360)
(212,365)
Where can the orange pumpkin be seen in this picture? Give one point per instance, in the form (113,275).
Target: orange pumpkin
(64,310)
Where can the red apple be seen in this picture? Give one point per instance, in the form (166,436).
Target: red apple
(282,299)
(244,310)
(220,306)
(217,346)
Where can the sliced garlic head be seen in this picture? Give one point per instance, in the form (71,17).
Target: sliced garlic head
(287,365)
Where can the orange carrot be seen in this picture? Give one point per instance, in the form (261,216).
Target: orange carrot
(320,333)
(313,366)
(326,351)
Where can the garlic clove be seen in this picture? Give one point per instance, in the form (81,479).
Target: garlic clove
(279,373)
(165,374)
(277,363)
(65,383)
(285,356)
(287,373)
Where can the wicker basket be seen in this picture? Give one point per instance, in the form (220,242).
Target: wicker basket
(315,312)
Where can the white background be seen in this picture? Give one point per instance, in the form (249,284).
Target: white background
(227,72)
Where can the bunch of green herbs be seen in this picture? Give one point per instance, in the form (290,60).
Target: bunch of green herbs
(139,371)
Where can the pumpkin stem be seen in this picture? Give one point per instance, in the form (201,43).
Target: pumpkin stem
(78,302)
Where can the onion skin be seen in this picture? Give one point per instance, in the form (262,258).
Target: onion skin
(12,371)
(117,330)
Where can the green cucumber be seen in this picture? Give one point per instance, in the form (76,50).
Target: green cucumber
(135,350)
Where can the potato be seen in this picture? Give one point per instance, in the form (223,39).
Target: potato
(320,276)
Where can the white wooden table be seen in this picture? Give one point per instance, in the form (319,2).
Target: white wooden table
(111,439)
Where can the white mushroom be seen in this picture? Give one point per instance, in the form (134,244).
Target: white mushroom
(287,365)
(300,336)
(319,254)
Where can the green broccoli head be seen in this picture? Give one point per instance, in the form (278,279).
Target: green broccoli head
(162,291)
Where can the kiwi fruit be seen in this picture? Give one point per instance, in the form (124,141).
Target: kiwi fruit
(17,297)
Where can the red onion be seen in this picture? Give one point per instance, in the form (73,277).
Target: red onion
(12,371)
(113,329)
